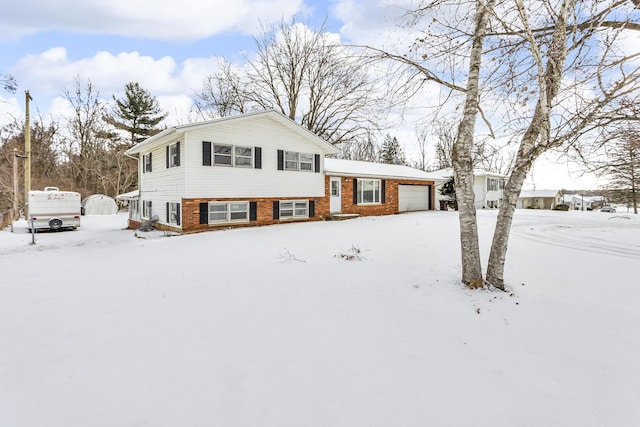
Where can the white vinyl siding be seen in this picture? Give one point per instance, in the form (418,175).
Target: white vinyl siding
(249,182)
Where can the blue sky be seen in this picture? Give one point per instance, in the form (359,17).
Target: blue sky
(171,46)
(168,47)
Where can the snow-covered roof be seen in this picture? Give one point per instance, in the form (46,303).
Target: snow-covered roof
(175,131)
(525,194)
(447,173)
(130,195)
(369,169)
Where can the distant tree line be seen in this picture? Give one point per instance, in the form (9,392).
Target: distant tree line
(86,152)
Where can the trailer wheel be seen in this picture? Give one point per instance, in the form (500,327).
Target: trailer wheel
(55,224)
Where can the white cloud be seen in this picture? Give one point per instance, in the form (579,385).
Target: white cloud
(166,20)
(48,73)
(9,110)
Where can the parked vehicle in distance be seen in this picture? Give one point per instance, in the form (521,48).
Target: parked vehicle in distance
(608,208)
(52,209)
(561,207)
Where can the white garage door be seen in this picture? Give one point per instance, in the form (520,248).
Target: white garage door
(413,198)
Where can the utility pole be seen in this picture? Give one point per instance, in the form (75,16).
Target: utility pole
(27,150)
(15,184)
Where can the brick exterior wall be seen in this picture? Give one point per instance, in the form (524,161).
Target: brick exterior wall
(190,215)
(264,214)
(390,206)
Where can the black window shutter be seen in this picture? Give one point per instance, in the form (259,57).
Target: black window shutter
(150,161)
(178,213)
(276,210)
(206,153)
(280,160)
(204,213)
(312,208)
(355,191)
(257,153)
(253,211)
(316,161)
(178,153)
(167,157)
(383,191)
(144,163)
(168,213)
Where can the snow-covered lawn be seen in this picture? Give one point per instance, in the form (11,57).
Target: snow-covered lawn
(271,326)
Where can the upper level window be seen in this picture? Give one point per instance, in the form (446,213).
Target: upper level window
(368,191)
(492,184)
(243,157)
(146,162)
(222,154)
(230,155)
(173,155)
(298,161)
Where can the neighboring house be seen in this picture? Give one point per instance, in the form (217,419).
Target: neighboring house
(258,169)
(539,199)
(487,186)
(366,188)
(580,202)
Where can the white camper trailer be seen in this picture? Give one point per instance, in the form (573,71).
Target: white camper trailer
(52,209)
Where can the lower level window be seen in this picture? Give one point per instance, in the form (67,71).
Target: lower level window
(146,209)
(294,209)
(174,213)
(228,212)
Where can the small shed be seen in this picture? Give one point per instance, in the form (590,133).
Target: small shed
(99,204)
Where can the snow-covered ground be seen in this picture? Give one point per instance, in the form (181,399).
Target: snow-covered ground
(273,326)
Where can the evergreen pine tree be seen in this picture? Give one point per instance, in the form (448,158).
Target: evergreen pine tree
(138,113)
(449,190)
(391,152)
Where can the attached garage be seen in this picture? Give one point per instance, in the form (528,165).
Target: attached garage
(413,197)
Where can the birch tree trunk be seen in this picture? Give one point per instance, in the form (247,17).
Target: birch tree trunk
(536,137)
(462,156)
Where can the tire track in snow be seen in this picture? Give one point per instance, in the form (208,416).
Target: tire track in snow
(577,237)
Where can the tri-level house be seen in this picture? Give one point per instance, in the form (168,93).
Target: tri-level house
(257,169)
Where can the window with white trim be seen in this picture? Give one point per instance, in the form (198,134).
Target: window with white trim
(147,211)
(223,155)
(335,188)
(230,155)
(146,162)
(174,215)
(221,212)
(368,191)
(294,209)
(243,157)
(298,161)
(492,184)
(174,155)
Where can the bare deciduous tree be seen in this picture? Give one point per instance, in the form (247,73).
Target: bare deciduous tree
(307,76)
(551,72)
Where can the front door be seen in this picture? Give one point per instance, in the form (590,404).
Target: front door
(335,198)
